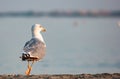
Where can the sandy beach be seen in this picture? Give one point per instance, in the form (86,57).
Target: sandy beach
(64,76)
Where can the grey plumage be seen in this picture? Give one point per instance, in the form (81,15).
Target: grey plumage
(35,48)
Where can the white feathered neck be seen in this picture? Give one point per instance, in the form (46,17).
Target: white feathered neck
(36,32)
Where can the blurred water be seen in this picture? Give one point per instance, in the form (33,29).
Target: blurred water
(74,45)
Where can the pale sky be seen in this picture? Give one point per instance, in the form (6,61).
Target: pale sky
(48,5)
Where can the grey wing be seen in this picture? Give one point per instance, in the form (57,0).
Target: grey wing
(35,48)
(29,46)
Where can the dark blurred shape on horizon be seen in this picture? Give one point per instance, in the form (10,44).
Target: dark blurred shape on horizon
(57,13)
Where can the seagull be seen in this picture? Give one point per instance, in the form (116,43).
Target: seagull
(34,50)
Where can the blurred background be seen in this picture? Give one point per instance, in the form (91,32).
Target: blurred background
(83,36)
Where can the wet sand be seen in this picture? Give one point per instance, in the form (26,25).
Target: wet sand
(64,76)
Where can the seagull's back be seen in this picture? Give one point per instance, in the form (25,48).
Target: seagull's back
(35,48)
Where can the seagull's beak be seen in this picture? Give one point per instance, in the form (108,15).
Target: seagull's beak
(43,30)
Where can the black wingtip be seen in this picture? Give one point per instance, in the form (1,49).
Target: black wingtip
(24,56)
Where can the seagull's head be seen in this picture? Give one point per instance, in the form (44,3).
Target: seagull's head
(38,27)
